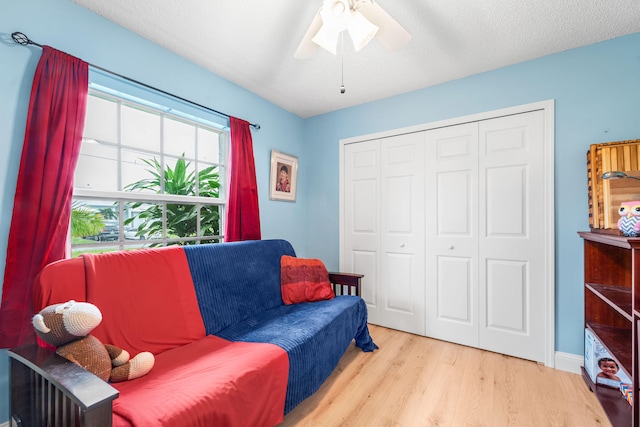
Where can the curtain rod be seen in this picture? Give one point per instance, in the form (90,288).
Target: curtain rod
(23,40)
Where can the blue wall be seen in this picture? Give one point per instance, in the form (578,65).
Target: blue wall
(596,89)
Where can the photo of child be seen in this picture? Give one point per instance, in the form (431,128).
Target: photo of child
(283,179)
(608,369)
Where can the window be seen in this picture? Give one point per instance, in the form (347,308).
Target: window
(146,177)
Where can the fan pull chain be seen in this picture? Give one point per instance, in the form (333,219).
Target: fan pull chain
(342,89)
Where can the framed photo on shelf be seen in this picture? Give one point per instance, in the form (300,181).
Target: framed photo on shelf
(284,177)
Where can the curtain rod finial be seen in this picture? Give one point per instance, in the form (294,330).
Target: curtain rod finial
(20,38)
(256,126)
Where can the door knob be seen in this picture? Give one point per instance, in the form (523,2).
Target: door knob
(402,245)
(451,247)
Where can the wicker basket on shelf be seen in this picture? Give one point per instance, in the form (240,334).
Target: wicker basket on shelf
(605,196)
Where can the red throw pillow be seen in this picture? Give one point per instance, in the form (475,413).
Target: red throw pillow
(304,280)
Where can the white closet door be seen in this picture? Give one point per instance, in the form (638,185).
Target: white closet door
(452,234)
(362,219)
(485,254)
(512,266)
(384,227)
(453,228)
(402,231)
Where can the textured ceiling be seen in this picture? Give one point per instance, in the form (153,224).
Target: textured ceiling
(252,42)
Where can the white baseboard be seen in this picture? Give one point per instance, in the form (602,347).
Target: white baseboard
(5,424)
(569,362)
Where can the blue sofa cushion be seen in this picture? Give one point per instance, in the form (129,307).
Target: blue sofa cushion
(314,346)
(233,281)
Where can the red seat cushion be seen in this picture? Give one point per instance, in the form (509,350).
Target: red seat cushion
(304,280)
(210,382)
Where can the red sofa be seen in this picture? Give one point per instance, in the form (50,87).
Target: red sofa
(211,368)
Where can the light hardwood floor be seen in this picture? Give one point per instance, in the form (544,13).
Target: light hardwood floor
(418,381)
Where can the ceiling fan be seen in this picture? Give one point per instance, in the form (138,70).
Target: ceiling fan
(363,19)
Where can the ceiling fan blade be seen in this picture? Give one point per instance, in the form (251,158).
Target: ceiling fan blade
(391,34)
(307,48)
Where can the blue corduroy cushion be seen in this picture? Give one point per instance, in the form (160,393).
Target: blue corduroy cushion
(238,290)
(315,336)
(234,281)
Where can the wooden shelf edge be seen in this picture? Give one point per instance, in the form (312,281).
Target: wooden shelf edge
(597,289)
(611,239)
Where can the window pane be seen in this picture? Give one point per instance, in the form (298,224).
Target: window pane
(86,221)
(181,220)
(97,167)
(101,121)
(140,129)
(137,174)
(208,146)
(179,177)
(209,180)
(94,220)
(210,221)
(143,221)
(179,138)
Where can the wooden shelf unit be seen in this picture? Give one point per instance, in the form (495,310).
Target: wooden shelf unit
(612,313)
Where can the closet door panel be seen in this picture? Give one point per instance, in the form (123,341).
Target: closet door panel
(365,262)
(512,278)
(364,191)
(506,201)
(399,271)
(454,290)
(455,193)
(402,246)
(507,295)
(452,234)
(361,252)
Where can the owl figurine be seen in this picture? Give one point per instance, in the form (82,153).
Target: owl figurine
(629,222)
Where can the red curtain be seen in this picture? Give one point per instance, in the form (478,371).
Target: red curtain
(243,215)
(42,203)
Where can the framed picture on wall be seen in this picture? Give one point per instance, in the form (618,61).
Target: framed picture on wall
(284,177)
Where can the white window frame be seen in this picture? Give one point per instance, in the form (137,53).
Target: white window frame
(132,196)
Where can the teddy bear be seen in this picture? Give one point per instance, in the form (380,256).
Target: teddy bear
(68,327)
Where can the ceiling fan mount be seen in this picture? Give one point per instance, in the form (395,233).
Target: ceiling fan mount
(363,19)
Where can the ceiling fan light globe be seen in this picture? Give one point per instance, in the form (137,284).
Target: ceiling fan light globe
(338,9)
(391,34)
(364,19)
(327,39)
(361,30)
(336,15)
